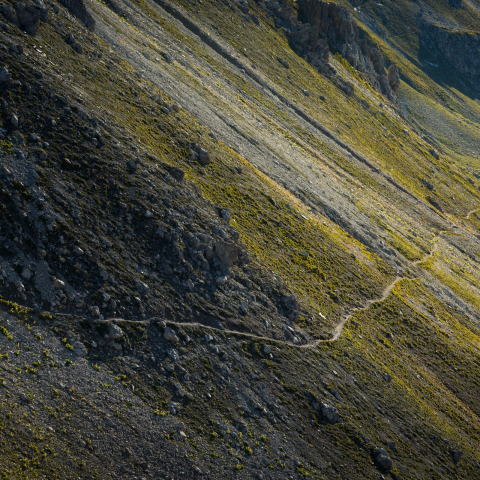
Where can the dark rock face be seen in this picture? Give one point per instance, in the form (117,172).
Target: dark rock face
(455,3)
(26,17)
(393,78)
(456,52)
(79,10)
(329,23)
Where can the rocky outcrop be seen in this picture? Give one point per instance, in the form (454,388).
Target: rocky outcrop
(322,24)
(393,78)
(26,17)
(456,52)
(79,10)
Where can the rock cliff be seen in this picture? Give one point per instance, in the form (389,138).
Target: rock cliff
(456,51)
(320,24)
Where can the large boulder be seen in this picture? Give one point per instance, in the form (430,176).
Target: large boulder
(381,459)
(227,253)
(292,306)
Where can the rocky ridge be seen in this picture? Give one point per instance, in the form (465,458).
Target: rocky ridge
(322,24)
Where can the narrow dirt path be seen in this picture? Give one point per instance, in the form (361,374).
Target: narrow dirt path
(337,332)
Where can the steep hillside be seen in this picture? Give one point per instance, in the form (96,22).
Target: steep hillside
(239,239)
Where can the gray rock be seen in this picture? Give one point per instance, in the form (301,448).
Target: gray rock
(132,166)
(434,154)
(27,274)
(225,214)
(227,253)
(222,280)
(292,306)
(168,58)
(59,284)
(115,332)
(109,422)
(14,121)
(5,75)
(266,349)
(178,174)
(78,251)
(170,335)
(381,459)
(203,157)
(80,349)
(283,62)
(24,397)
(143,287)
(457,455)
(330,413)
(103,275)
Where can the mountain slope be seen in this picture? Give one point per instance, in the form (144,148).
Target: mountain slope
(228,252)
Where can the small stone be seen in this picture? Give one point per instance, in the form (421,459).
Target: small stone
(78,251)
(208,338)
(132,166)
(266,349)
(168,58)
(145,173)
(59,284)
(330,413)
(95,311)
(169,335)
(456,455)
(103,275)
(222,280)
(143,287)
(80,349)
(434,154)
(225,214)
(177,173)
(115,332)
(203,157)
(109,422)
(25,398)
(380,457)
(27,274)
(14,121)
(306,93)
(283,62)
